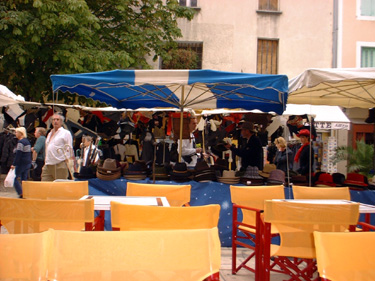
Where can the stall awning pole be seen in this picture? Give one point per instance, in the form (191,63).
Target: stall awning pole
(181,121)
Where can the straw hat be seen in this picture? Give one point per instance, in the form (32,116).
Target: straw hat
(108,170)
(267,169)
(229,177)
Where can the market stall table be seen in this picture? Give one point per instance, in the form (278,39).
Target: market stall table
(103,203)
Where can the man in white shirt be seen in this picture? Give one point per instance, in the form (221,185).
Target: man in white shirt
(188,150)
(59,147)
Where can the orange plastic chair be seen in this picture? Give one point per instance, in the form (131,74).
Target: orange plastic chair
(345,256)
(165,255)
(177,195)
(36,215)
(296,223)
(305,192)
(137,217)
(250,200)
(22,256)
(55,190)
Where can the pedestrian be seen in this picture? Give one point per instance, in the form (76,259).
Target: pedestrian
(305,155)
(189,151)
(251,152)
(284,156)
(38,153)
(22,159)
(59,147)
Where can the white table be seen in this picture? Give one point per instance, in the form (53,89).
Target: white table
(363,208)
(103,203)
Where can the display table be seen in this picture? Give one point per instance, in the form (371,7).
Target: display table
(204,193)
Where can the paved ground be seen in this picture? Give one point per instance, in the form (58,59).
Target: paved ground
(226,253)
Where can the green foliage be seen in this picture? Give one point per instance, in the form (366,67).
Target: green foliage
(181,59)
(360,160)
(44,37)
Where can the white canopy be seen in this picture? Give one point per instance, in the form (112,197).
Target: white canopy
(346,87)
(325,117)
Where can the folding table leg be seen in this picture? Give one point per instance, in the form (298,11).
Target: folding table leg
(99,221)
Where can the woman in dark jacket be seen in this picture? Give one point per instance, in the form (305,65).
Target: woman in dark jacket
(305,155)
(284,156)
(22,160)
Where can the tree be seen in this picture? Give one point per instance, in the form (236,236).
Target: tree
(44,37)
(360,160)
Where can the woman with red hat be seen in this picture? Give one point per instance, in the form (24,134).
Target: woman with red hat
(305,155)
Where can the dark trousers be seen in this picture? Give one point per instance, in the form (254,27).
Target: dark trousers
(22,172)
(36,174)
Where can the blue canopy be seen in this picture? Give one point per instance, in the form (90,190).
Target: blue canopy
(196,89)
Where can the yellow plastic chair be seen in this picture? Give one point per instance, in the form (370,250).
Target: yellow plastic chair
(137,217)
(345,256)
(22,256)
(177,195)
(304,192)
(296,223)
(36,215)
(250,200)
(55,190)
(165,255)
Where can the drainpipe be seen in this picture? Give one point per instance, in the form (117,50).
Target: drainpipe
(335,33)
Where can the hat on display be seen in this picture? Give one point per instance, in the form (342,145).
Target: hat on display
(276,177)
(180,172)
(267,169)
(136,171)
(356,180)
(86,172)
(203,172)
(109,170)
(338,179)
(221,164)
(303,132)
(161,172)
(251,176)
(229,177)
(325,179)
(252,172)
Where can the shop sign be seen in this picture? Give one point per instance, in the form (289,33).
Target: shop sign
(332,126)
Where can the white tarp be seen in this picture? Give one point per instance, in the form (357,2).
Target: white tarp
(346,87)
(325,116)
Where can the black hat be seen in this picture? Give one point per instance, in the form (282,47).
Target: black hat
(221,164)
(85,173)
(180,172)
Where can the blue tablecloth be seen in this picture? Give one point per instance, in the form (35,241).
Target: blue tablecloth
(204,193)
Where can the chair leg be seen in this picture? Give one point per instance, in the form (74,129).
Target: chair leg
(213,277)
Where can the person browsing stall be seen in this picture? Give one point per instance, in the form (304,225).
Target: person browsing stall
(284,156)
(305,155)
(252,152)
(38,151)
(22,160)
(189,153)
(59,147)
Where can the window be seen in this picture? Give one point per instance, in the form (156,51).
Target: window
(267,56)
(368,57)
(269,5)
(367,8)
(196,47)
(365,54)
(189,3)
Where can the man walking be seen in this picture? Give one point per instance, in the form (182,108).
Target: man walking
(59,147)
